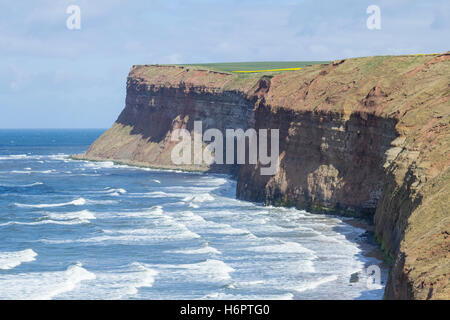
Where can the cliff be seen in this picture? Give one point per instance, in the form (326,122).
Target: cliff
(362,137)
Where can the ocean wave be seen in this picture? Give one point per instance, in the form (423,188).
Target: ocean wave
(150,213)
(226,296)
(153,194)
(121,282)
(80,215)
(76,202)
(127,282)
(189,190)
(199,198)
(314,284)
(167,230)
(203,250)
(21,185)
(209,227)
(244,284)
(217,181)
(210,270)
(30,171)
(46,221)
(43,285)
(10,260)
(283,247)
(14,157)
(60,157)
(100,165)
(225,229)
(190,217)
(136,236)
(115,191)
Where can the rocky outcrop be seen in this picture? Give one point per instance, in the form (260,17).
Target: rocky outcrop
(366,137)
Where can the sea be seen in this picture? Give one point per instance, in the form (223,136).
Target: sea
(73,229)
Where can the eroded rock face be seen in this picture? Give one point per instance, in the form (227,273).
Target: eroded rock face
(366,137)
(142,133)
(328,162)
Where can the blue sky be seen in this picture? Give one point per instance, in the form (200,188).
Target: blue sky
(53,77)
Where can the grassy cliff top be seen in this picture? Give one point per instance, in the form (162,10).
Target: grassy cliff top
(414,89)
(230,67)
(381,84)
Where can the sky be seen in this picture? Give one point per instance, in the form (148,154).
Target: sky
(55,77)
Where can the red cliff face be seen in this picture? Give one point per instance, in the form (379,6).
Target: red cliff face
(366,137)
(327,162)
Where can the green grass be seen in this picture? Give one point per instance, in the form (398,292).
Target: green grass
(245,66)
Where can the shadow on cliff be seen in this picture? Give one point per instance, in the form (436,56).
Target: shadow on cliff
(328,161)
(383,249)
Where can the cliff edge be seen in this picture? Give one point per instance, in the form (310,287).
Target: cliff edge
(362,137)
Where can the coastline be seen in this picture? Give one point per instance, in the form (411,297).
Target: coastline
(351,144)
(138,164)
(370,248)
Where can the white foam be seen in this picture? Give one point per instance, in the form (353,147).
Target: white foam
(169,231)
(76,202)
(100,165)
(45,171)
(120,284)
(136,236)
(203,250)
(249,283)
(59,156)
(33,184)
(10,260)
(283,247)
(199,198)
(117,283)
(314,284)
(89,202)
(156,181)
(155,194)
(208,271)
(190,217)
(14,157)
(81,215)
(116,190)
(22,185)
(28,171)
(42,285)
(222,228)
(216,181)
(46,221)
(225,296)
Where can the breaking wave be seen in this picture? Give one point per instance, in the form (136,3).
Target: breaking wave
(10,260)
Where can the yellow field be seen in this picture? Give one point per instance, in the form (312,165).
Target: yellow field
(268,70)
